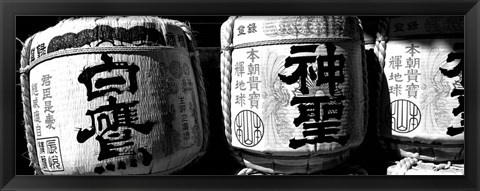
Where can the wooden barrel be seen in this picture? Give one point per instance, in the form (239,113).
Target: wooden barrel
(113,96)
(423,96)
(294,93)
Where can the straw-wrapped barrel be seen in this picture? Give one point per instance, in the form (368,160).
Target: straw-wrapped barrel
(113,96)
(424,117)
(294,92)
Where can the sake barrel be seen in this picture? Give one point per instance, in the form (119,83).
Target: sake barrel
(294,94)
(113,96)
(424,69)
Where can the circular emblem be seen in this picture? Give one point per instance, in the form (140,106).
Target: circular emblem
(317,26)
(405,116)
(302,25)
(248,128)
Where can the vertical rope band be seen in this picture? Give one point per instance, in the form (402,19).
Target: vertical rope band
(381,40)
(226,41)
(27,109)
(226,70)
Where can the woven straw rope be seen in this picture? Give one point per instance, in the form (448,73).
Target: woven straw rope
(374,77)
(226,41)
(380,52)
(250,171)
(116,49)
(408,163)
(27,109)
(287,41)
(26,66)
(404,165)
(226,69)
(381,41)
(346,169)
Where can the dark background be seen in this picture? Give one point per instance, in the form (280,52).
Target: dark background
(217,160)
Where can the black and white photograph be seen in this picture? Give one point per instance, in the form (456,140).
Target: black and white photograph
(240,95)
(328,95)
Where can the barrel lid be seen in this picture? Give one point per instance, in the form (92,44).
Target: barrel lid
(254,29)
(426,27)
(110,31)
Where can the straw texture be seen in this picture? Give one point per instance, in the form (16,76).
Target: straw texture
(428,42)
(152,60)
(268,36)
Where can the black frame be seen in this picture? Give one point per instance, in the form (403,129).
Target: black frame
(9,9)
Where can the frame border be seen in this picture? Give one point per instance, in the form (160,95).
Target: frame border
(9,9)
